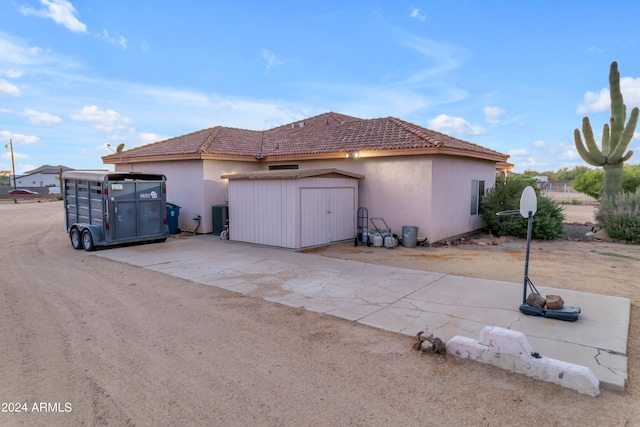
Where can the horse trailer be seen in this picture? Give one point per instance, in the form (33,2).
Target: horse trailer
(111,208)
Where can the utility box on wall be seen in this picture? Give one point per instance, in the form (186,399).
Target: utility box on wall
(220,214)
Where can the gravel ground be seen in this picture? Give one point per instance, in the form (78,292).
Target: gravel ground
(103,343)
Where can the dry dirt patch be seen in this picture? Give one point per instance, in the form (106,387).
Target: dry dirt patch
(129,346)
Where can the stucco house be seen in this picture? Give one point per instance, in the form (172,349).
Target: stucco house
(406,174)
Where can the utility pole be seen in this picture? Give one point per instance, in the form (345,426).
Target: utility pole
(13,165)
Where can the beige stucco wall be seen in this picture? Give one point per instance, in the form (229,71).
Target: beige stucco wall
(396,189)
(195,186)
(451,196)
(430,192)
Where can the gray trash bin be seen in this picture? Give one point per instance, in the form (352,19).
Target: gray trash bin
(409,236)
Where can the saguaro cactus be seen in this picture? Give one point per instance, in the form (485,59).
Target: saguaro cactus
(615,139)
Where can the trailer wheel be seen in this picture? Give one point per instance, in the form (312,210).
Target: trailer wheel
(76,238)
(87,241)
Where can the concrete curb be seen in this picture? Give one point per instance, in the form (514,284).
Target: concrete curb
(511,350)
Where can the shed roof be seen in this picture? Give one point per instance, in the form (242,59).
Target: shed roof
(329,135)
(293,174)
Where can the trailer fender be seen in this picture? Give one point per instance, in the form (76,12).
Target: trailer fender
(97,235)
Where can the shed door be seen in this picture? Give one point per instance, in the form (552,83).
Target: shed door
(326,215)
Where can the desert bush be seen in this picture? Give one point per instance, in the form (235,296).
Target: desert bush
(620,216)
(631,178)
(547,222)
(589,183)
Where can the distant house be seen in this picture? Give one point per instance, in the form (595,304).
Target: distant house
(542,182)
(44,176)
(404,173)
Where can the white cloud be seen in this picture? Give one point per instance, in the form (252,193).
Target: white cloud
(14,52)
(538,143)
(104,120)
(22,168)
(171,96)
(444,57)
(493,115)
(415,13)
(595,102)
(60,11)
(570,154)
(601,101)
(9,89)
(454,126)
(18,138)
(39,118)
(12,74)
(271,59)
(149,138)
(518,152)
(594,49)
(115,39)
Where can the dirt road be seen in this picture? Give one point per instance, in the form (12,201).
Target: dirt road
(87,341)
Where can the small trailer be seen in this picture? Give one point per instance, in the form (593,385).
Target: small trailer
(111,208)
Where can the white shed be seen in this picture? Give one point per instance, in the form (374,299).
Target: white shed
(293,208)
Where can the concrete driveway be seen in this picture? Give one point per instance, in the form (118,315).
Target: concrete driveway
(395,299)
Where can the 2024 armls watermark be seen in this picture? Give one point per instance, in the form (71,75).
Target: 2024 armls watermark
(30,407)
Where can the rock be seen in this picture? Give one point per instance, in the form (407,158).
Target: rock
(601,234)
(482,243)
(590,234)
(535,300)
(429,343)
(554,302)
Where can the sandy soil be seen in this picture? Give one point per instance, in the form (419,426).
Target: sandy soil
(106,343)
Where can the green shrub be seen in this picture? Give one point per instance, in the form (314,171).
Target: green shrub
(547,222)
(631,180)
(620,216)
(589,183)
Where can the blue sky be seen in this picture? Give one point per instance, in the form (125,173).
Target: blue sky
(514,76)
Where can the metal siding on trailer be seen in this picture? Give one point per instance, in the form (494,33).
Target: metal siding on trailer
(71,203)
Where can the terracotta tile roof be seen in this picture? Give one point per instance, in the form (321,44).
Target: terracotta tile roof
(322,134)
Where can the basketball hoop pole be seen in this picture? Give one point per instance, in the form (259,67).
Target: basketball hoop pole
(526,259)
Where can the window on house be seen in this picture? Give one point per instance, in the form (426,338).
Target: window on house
(477,194)
(282,167)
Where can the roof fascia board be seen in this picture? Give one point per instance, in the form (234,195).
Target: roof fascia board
(312,156)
